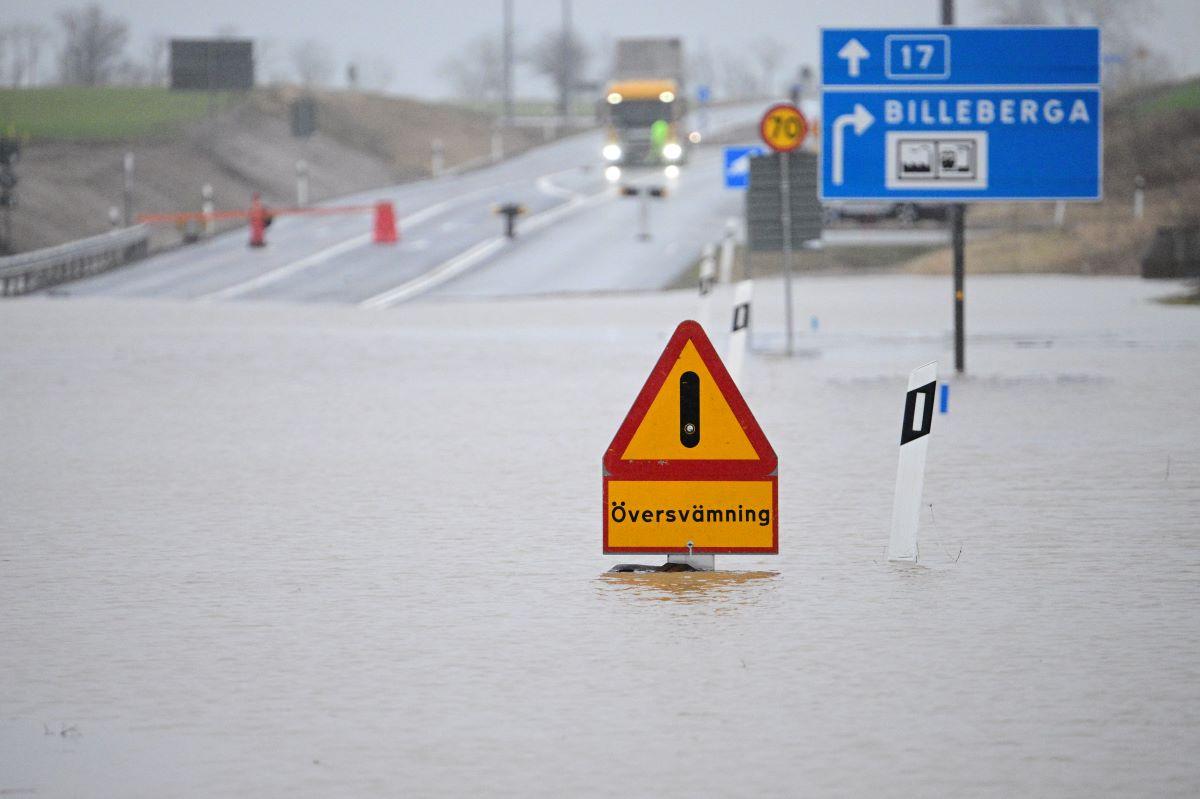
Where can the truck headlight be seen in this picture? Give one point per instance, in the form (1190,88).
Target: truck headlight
(671,151)
(612,152)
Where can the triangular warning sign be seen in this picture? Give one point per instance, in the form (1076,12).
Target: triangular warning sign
(689,421)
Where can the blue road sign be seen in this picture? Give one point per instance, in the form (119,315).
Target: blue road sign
(737,165)
(961,114)
(703,93)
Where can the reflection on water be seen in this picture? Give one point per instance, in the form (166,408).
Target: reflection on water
(690,587)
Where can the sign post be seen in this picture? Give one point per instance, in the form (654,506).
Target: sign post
(783,129)
(690,473)
(950,115)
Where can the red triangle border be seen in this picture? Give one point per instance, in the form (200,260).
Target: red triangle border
(765,465)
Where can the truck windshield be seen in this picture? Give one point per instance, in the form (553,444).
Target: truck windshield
(641,113)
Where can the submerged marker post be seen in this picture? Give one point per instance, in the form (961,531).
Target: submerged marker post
(739,329)
(705,285)
(910,473)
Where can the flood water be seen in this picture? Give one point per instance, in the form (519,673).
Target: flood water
(315,551)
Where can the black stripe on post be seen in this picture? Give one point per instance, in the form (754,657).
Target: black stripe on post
(741,316)
(909,431)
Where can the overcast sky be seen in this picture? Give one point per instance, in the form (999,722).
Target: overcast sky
(416,37)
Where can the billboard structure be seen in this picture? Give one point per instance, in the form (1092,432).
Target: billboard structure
(214,65)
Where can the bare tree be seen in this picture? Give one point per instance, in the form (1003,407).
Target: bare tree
(738,79)
(477,72)
(313,63)
(1130,62)
(92,45)
(1020,12)
(701,67)
(769,53)
(562,58)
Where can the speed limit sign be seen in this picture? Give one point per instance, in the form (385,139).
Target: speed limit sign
(783,127)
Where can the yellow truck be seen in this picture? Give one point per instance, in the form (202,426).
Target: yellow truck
(645,105)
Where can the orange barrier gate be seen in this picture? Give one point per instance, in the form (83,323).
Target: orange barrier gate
(384,230)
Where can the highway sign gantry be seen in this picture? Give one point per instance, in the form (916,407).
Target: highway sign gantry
(783,127)
(689,470)
(961,114)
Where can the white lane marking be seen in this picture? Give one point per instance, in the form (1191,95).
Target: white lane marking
(547,186)
(321,256)
(448,270)
(436,276)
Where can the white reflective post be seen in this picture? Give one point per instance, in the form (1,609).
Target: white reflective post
(739,330)
(708,271)
(725,270)
(910,474)
(301,183)
(207,207)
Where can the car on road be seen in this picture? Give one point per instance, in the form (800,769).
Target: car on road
(905,213)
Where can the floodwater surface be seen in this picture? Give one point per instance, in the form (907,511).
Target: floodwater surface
(314,551)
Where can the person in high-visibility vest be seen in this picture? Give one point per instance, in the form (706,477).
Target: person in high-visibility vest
(659,132)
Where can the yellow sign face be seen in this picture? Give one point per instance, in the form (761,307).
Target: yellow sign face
(690,470)
(783,127)
(658,436)
(714,515)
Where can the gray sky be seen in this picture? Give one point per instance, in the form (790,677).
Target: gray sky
(416,37)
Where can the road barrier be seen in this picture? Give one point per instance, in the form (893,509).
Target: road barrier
(259,216)
(40,269)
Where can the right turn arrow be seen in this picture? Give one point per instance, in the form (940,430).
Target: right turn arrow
(861,119)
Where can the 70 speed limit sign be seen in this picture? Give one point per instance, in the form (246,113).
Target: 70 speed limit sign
(783,127)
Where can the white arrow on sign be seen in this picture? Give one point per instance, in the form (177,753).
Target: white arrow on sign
(861,119)
(854,52)
(741,165)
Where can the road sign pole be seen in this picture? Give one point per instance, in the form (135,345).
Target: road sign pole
(958,213)
(785,207)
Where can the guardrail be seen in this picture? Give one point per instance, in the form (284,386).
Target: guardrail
(33,271)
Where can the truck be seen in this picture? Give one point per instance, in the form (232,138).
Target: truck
(645,105)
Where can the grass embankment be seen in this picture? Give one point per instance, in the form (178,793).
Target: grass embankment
(533,108)
(102,113)
(1153,133)
(75,140)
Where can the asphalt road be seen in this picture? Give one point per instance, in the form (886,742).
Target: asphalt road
(579,235)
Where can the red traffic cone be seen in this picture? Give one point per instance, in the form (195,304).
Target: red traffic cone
(258,222)
(385,223)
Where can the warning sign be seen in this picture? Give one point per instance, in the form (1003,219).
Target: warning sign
(690,469)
